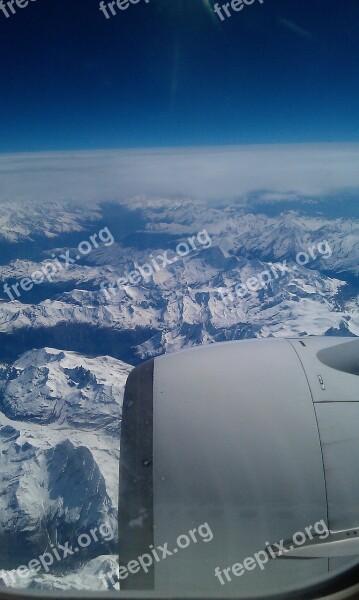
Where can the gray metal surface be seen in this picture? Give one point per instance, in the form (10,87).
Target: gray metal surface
(236,444)
(339,432)
(336,361)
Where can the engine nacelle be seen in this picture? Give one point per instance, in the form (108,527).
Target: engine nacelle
(258,439)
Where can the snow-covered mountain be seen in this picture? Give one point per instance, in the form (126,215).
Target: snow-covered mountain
(27,219)
(67,346)
(60,416)
(182,306)
(49,386)
(99,573)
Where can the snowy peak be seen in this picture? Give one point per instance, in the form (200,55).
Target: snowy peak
(50,386)
(60,417)
(50,497)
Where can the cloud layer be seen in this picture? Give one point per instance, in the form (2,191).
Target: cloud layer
(283,171)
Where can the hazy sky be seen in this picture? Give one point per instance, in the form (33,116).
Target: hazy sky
(277,172)
(169,73)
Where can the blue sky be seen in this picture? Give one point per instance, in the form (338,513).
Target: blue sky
(169,73)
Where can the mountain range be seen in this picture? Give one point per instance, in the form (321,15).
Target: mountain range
(67,345)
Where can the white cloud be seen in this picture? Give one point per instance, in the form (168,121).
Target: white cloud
(284,171)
